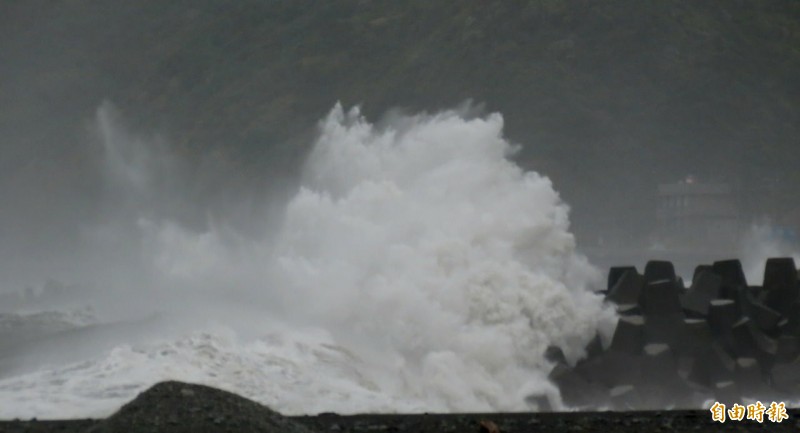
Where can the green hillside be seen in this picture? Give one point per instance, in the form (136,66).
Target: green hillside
(609,98)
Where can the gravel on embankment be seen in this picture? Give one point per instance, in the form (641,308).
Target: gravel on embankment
(180,407)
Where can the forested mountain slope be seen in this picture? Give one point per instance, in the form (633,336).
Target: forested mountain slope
(609,98)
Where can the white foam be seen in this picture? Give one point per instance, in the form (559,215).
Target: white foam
(760,244)
(292,373)
(438,270)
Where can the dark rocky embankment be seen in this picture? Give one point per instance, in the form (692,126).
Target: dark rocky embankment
(180,407)
(719,339)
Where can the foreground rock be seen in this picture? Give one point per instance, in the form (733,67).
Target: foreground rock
(174,407)
(578,422)
(177,407)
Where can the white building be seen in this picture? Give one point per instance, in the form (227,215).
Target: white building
(693,214)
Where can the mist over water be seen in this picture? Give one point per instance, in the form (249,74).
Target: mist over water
(760,244)
(415,269)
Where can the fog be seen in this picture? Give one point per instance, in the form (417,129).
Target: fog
(198,196)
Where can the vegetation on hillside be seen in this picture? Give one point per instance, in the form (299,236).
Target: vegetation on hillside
(609,98)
